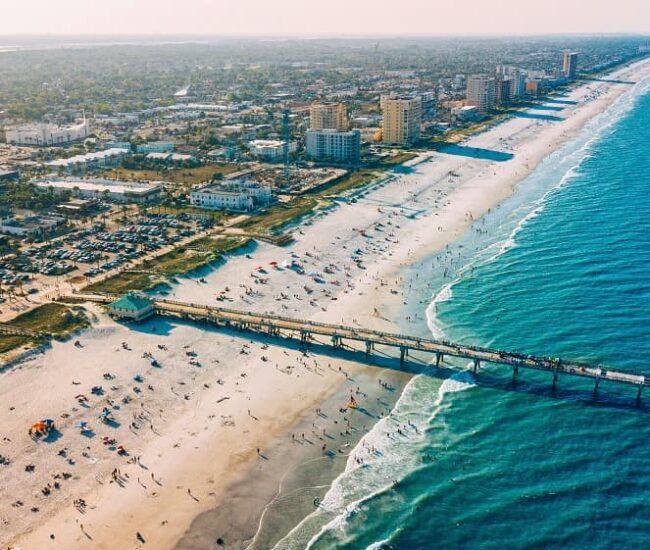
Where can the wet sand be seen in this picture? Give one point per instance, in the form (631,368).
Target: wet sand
(197,431)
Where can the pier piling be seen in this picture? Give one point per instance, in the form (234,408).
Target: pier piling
(596,385)
(274,324)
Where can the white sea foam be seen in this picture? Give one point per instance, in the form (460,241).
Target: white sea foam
(593,132)
(397,458)
(377,545)
(393,457)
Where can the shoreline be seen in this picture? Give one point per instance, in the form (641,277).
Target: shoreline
(241,541)
(284,405)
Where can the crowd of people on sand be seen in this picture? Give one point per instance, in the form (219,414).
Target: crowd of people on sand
(320,279)
(102,409)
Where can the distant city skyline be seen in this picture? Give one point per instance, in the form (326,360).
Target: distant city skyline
(337,17)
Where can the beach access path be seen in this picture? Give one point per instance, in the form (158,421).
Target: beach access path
(198,430)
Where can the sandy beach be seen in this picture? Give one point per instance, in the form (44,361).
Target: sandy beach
(231,437)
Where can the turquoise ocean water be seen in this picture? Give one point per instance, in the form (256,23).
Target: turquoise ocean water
(561,268)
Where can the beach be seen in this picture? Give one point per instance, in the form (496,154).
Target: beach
(215,432)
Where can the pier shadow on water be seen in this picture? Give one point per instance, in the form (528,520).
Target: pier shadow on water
(568,389)
(475,153)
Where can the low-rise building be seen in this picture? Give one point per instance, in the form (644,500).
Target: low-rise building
(48,134)
(172,158)
(89,161)
(10,174)
(238,195)
(270,150)
(132,306)
(155,147)
(332,145)
(76,207)
(23,226)
(465,113)
(117,191)
(533,87)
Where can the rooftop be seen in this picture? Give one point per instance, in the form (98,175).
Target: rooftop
(131,302)
(101,185)
(88,157)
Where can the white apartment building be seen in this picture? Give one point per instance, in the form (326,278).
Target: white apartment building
(481,92)
(239,195)
(48,134)
(333,145)
(402,119)
(270,150)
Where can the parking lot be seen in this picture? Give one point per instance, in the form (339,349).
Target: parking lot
(87,253)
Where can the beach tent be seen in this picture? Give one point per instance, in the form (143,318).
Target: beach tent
(42,428)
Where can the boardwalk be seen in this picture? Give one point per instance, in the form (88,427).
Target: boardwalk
(10,330)
(305,331)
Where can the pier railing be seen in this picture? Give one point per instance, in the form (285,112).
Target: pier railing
(305,330)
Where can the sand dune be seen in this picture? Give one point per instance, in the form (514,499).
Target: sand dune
(215,429)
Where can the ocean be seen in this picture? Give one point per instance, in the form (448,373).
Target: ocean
(561,268)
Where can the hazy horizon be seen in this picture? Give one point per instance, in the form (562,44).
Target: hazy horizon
(338,18)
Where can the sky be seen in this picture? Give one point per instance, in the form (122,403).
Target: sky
(322,17)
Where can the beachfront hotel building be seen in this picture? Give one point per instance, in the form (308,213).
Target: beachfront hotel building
(238,195)
(502,90)
(328,116)
(570,64)
(516,77)
(333,145)
(481,92)
(402,119)
(48,134)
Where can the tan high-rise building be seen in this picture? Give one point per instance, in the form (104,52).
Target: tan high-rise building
(328,116)
(570,64)
(481,92)
(402,119)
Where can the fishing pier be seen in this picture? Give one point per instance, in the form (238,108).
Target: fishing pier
(305,331)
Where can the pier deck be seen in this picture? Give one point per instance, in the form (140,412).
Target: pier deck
(305,330)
